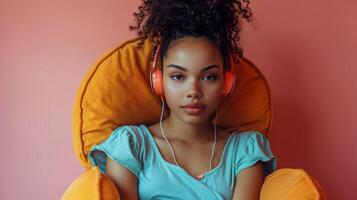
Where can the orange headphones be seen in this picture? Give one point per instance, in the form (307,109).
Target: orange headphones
(156,78)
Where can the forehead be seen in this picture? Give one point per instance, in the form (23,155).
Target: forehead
(192,53)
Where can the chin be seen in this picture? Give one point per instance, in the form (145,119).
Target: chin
(195,120)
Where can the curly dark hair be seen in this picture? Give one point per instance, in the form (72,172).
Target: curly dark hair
(168,20)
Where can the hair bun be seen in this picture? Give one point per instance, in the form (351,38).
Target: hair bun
(214,19)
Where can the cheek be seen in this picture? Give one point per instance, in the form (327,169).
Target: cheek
(172,93)
(214,94)
(169,86)
(213,89)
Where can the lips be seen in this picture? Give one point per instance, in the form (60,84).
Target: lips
(194,106)
(193,109)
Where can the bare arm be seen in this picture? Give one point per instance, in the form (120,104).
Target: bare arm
(124,180)
(248,183)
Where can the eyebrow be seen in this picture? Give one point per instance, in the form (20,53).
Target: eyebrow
(184,69)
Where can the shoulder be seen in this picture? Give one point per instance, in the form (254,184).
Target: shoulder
(251,147)
(132,132)
(124,138)
(131,128)
(249,137)
(154,128)
(124,146)
(251,143)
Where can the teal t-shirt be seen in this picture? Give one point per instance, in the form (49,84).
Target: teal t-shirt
(135,148)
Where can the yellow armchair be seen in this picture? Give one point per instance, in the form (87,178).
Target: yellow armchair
(118,83)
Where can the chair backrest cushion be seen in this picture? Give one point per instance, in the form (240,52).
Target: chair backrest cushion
(116,91)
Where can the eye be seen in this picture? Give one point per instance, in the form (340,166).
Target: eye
(177,77)
(211,77)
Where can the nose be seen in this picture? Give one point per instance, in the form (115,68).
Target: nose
(194,90)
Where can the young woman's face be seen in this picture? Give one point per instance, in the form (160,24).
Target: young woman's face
(192,74)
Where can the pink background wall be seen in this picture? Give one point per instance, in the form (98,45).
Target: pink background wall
(306,49)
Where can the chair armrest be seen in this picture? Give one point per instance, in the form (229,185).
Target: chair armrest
(92,185)
(283,184)
(292,184)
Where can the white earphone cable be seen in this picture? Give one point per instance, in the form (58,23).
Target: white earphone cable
(172,151)
(162,132)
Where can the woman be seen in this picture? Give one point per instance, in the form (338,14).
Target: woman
(185,156)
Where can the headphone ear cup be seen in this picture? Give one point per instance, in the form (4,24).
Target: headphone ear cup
(229,82)
(156,83)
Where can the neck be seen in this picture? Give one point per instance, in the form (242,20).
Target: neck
(176,129)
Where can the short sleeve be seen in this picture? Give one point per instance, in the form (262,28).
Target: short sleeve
(253,147)
(122,146)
